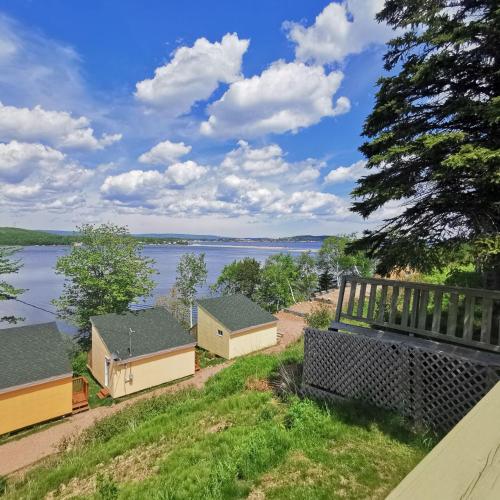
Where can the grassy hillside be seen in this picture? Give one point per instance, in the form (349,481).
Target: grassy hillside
(21,237)
(234,439)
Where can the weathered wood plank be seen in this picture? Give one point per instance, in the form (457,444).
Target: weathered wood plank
(406,306)
(361,300)
(451,328)
(436,315)
(414,307)
(422,310)
(468,317)
(352,298)
(371,302)
(340,301)
(487,315)
(394,305)
(383,298)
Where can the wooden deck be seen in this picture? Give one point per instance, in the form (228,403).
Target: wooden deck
(465,464)
(80,394)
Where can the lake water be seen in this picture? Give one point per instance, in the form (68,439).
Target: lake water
(43,285)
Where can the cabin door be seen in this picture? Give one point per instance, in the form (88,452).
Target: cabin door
(107,362)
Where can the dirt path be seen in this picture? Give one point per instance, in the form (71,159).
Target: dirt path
(22,453)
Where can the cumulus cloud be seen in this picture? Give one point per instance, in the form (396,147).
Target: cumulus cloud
(285,97)
(339,30)
(255,162)
(145,184)
(58,128)
(193,74)
(350,173)
(164,153)
(18,159)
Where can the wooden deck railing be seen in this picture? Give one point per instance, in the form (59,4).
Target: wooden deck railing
(466,316)
(80,394)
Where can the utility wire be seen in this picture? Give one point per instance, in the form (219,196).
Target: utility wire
(31,305)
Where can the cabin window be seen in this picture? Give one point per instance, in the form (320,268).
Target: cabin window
(220,333)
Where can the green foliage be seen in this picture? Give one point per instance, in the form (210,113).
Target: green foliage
(241,276)
(104,274)
(228,441)
(3,485)
(9,266)
(320,317)
(106,487)
(335,259)
(191,274)
(433,137)
(278,282)
(307,276)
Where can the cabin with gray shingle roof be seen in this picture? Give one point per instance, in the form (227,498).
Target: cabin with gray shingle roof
(35,376)
(234,325)
(137,350)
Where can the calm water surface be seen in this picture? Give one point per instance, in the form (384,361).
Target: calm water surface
(43,285)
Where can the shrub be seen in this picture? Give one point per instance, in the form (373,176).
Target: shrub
(106,487)
(3,485)
(320,317)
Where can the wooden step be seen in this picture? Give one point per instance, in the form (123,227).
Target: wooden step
(103,393)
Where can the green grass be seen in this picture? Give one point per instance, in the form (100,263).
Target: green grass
(232,439)
(207,358)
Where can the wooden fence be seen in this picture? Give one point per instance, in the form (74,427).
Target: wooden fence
(466,316)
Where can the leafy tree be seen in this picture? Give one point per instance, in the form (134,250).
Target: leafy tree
(434,136)
(307,276)
(104,274)
(173,303)
(278,282)
(191,274)
(9,266)
(241,276)
(336,259)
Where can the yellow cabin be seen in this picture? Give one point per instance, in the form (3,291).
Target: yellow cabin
(233,325)
(137,350)
(35,376)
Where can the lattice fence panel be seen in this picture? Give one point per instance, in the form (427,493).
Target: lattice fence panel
(413,377)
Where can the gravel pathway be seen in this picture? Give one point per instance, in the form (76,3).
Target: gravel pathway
(20,454)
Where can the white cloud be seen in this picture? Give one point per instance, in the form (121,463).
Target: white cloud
(182,174)
(18,159)
(350,173)
(164,153)
(193,74)
(306,173)
(339,30)
(58,128)
(285,97)
(255,162)
(21,192)
(149,185)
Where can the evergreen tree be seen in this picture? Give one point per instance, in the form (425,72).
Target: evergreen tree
(7,291)
(434,136)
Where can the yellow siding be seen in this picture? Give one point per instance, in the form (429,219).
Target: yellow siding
(31,405)
(99,351)
(252,341)
(465,464)
(150,371)
(207,334)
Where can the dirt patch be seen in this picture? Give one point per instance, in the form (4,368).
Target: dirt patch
(135,465)
(258,384)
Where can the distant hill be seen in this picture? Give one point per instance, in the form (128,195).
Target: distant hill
(22,237)
(163,236)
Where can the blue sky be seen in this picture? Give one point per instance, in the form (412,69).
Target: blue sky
(234,118)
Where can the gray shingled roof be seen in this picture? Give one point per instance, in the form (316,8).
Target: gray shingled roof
(32,353)
(154,330)
(236,312)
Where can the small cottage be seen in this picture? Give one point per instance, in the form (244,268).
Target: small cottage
(233,325)
(35,376)
(139,349)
